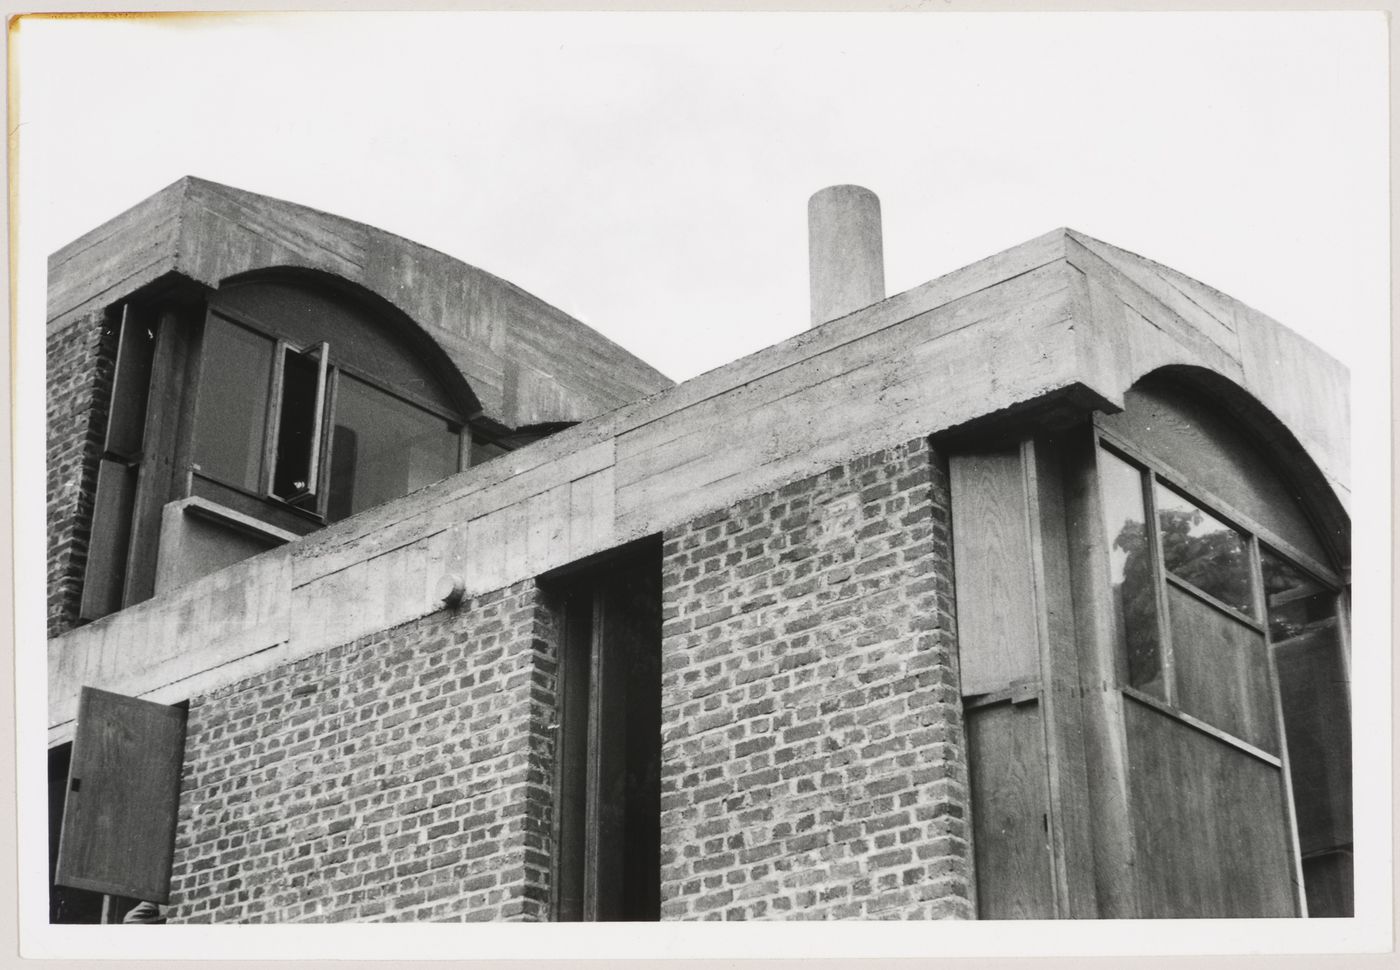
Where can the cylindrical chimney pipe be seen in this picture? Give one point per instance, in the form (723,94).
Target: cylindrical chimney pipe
(845,251)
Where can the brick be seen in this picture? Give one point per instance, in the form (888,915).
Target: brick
(824,649)
(367,823)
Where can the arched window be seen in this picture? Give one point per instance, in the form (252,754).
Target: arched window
(277,405)
(1152,636)
(1228,617)
(304,399)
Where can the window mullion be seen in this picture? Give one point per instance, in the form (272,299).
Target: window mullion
(1159,573)
(318,415)
(274,418)
(327,437)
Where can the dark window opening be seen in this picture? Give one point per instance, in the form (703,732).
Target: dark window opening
(68,905)
(608,825)
(299,425)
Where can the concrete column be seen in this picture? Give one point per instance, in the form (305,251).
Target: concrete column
(845,251)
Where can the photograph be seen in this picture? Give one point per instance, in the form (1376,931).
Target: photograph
(881,481)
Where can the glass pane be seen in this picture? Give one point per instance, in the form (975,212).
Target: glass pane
(1295,602)
(1130,563)
(382,447)
(231,416)
(483,451)
(1207,553)
(1315,697)
(296,427)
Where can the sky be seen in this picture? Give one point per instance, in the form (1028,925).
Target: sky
(649,174)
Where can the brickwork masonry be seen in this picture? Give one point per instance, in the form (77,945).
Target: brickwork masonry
(814,763)
(403,776)
(79,360)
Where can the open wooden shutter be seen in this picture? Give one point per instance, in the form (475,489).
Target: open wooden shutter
(119,467)
(123,794)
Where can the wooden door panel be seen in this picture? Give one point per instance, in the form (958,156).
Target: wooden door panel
(1010,823)
(123,795)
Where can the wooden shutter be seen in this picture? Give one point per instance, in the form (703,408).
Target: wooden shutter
(123,793)
(105,577)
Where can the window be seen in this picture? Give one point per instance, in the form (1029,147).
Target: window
(282,403)
(1235,635)
(1314,694)
(294,424)
(383,447)
(233,403)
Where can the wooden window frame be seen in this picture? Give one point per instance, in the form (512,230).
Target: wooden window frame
(327,397)
(1155,471)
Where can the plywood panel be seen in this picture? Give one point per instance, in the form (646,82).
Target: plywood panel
(1222,670)
(1329,880)
(123,794)
(997,637)
(1011,840)
(1313,689)
(1209,822)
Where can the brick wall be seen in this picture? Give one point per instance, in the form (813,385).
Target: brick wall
(404,776)
(79,360)
(814,761)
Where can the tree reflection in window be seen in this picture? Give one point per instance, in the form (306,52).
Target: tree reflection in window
(1207,553)
(1134,588)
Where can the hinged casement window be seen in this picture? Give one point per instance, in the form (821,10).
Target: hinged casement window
(281,399)
(121,798)
(301,404)
(296,425)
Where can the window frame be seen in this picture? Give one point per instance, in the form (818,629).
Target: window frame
(327,398)
(1153,471)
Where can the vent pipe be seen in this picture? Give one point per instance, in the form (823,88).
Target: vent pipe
(845,251)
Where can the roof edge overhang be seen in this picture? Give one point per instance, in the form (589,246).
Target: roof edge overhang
(1058,325)
(499,336)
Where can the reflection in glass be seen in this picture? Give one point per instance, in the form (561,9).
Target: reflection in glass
(382,448)
(231,415)
(1130,562)
(1207,553)
(1313,694)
